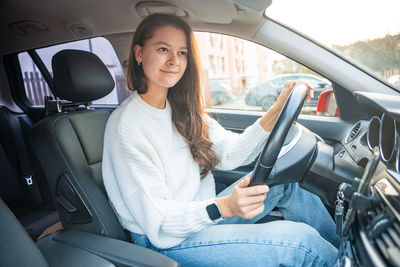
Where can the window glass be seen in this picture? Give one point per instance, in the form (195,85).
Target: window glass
(36,87)
(242,75)
(367,32)
(236,74)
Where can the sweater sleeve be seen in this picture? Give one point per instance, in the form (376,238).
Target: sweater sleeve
(166,222)
(234,149)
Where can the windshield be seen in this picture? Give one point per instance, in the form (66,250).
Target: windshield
(365,32)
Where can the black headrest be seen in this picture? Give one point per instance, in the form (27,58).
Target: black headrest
(80,76)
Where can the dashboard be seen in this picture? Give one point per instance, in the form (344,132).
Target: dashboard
(373,238)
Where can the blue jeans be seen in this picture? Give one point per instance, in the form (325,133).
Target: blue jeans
(306,237)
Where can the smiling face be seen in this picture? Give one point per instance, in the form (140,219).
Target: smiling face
(163,57)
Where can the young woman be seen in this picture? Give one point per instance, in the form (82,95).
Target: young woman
(160,148)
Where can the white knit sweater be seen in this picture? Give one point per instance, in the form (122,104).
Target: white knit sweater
(150,176)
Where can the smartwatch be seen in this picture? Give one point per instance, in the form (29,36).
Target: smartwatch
(213,212)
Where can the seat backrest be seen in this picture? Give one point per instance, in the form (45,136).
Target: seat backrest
(16,247)
(11,190)
(15,161)
(22,184)
(69,146)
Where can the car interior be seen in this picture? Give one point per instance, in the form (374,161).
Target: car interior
(53,204)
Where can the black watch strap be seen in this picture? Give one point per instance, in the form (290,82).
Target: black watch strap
(213,212)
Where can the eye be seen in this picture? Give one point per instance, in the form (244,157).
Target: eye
(163,49)
(182,53)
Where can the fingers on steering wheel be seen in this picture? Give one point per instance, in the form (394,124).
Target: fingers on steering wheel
(310,92)
(289,85)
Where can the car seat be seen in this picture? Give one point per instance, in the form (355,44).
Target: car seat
(22,185)
(69,145)
(16,247)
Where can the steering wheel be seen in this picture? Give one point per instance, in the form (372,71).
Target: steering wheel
(271,150)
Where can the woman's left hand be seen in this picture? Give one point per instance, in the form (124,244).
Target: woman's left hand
(288,88)
(268,120)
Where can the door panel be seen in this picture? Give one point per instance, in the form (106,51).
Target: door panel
(331,129)
(235,122)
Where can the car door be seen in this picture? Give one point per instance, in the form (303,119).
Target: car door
(330,129)
(259,64)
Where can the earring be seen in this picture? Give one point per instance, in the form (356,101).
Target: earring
(139,63)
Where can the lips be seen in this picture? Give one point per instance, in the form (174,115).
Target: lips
(169,72)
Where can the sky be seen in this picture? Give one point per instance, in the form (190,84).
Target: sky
(339,22)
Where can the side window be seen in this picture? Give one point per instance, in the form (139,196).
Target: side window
(36,87)
(241,75)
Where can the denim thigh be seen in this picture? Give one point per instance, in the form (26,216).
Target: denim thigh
(279,243)
(296,204)
(236,241)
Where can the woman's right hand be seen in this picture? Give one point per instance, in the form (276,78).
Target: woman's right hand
(244,202)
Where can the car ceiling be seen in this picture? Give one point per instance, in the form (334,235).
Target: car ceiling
(33,24)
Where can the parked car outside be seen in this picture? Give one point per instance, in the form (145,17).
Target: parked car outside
(220,92)
(266,93)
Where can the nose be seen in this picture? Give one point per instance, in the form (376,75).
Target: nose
(172,60)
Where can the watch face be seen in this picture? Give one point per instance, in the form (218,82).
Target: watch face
(213,212)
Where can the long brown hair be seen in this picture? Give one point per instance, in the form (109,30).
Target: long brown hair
(185,97)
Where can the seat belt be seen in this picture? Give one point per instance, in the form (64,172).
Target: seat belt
(27,174)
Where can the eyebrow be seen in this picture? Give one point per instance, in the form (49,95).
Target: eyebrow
(164,43)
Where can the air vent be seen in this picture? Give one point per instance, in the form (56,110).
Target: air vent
(388,244)
(383,232)
(354,131)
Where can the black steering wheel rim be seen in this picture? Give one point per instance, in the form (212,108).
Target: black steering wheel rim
(270,152)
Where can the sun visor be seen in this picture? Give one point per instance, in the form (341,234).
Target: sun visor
(221,12)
